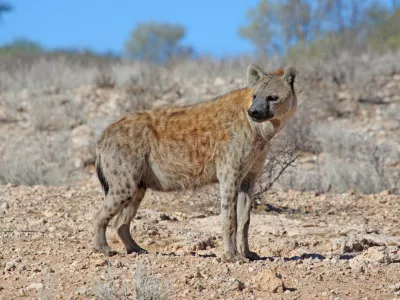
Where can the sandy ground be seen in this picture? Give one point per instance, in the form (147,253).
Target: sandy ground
(312,246)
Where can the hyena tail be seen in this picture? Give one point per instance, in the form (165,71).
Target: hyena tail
(100,175)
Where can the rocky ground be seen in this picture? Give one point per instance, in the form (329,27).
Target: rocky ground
(343,246)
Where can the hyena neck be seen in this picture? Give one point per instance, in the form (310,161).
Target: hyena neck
(282,120)
(263,132)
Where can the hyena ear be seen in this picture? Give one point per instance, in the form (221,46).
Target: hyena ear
(254,74)
(292,76)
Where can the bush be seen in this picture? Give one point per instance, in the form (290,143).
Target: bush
(349,161)
(104,81)
(145,287)
(148,287)
(36,159)
(157,42)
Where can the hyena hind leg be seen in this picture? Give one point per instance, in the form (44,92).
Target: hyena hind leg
(113,203)
(123,220)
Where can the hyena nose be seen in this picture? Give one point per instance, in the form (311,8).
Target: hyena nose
(254,113)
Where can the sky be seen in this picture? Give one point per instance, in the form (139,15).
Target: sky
(99,25)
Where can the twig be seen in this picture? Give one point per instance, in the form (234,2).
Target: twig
(283,168)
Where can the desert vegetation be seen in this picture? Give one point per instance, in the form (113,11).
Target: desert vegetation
(344,135)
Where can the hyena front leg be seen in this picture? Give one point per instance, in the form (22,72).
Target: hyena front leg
(243,216)
(229,194)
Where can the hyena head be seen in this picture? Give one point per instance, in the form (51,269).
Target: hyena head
(274,95)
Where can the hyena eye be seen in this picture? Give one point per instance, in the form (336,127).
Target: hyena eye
(272,98)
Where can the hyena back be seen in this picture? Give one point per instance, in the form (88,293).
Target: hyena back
(224,140)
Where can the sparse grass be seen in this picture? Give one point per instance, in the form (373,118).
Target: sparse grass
(48,115)
(299,130)
(144,286)
(110,289)
(36,159)
(104,81)
(281,156)
(349,161)
(56,113)
(148,287)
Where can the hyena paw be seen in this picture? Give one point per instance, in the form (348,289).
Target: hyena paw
(105,249)
(234,257)
(136,250)
(252,255)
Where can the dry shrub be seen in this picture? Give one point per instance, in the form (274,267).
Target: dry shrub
(148,287)
(111,289)
(149,85)
(41,73)
(145,286)
(138,98)
(55,113)
(47,115)
(36,159)
(105,81)
(299,131)
(281,155)
(348,161)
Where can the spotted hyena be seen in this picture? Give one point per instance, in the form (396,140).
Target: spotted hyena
(224,140)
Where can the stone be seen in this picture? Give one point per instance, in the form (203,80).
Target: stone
(219,81)
(11,265)
(385,193)
(160,103)
(81,136)
(100,262)
(357,266)
(82,291)
(38,286)
(375,239)
(4,206)
(395,287)
(381,254)
(269,281)
(235,285)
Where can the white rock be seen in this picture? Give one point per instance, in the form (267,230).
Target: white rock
(269,281)
(82,136)
(160,103)
(4,206)
(382,255)
(35,286)
(219,81)
(10,265)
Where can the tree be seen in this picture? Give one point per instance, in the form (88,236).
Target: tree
(21,47)
(157,42)
(386,35)
(5,8)
(323,28)
(259,29)
(275,26)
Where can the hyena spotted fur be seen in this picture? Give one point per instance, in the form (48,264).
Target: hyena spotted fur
(224,140)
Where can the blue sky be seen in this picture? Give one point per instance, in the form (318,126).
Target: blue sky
(104,25)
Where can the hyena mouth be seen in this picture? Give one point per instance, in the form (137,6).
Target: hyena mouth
(262,117)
